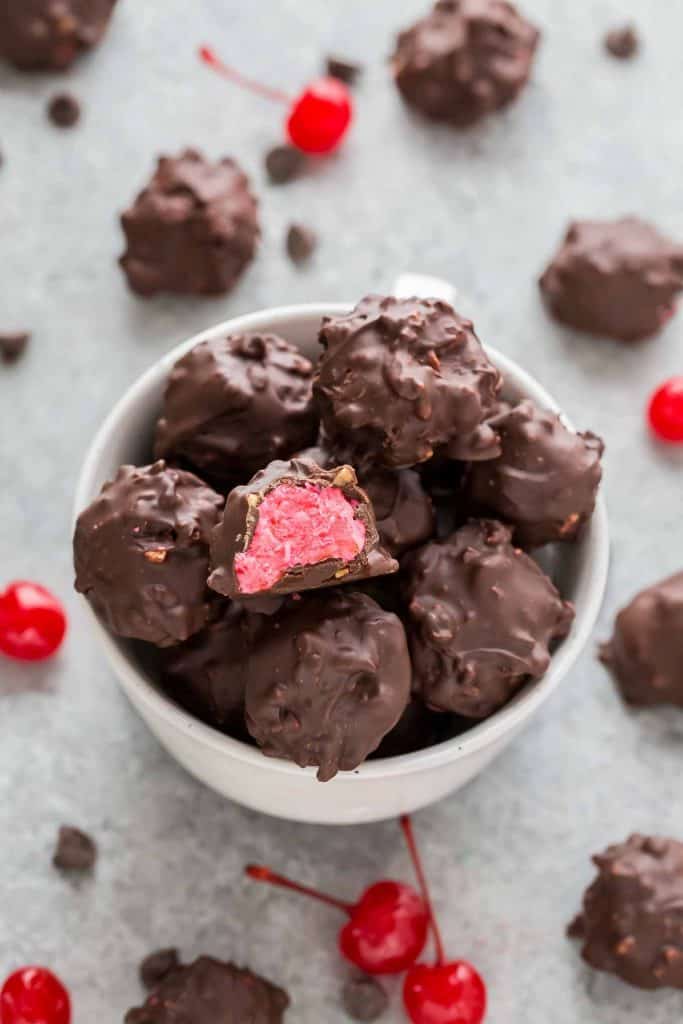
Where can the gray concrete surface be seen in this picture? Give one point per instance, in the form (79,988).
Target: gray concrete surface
(508,857)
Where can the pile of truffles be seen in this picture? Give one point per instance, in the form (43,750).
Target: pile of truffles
(332,560)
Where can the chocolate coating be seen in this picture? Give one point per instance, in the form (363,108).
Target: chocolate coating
(209,991)
(645,655)
(141,553)
(235,532)
(465,59)
(327,680)
(233,404)
(399,377)
(545,481)
(618,278)
(482,618)
(51,34)
(632,920)
(192,230)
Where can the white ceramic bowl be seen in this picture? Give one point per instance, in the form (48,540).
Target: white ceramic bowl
(378,789)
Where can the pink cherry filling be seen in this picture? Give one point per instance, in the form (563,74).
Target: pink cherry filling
(298,525)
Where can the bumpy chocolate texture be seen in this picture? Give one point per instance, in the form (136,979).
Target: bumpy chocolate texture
(327,680)
(617,278)
(209,991)
(39,34)
(274,544)
(645,654)
(482,618)
(193,229)
(141,553)
(632,920)
(233,404)
(399,378)
(465,59)
(544,482)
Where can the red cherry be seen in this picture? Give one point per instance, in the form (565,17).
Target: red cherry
(33,995)
(665,411)
(32,622)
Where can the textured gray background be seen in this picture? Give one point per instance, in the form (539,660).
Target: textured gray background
(508,857)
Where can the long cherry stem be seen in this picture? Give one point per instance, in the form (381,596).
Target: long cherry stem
(260,873)
(213,60)
(407,826)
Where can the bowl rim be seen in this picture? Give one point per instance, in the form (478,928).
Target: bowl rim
(482,734)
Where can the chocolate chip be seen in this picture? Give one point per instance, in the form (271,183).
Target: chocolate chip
(622,42)
(75,851)
(13,346)
(344,70)
(284,163)
(301,242)
(157,965)
(64,110)
(364,998)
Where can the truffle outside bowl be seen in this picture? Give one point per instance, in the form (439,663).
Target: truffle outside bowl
(378,789)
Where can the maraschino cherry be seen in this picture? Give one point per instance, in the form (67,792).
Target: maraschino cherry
(447,992)
(318,118)
(32,622)
(665,411)
(34,995)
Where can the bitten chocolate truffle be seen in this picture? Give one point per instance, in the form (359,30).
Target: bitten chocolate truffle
(209,991)
(51,34)
(295,527)
(327,680)
(141,553)
(192,230)
(645,655)
(234,404)
(632,919)
(544,482)
(482,618)
(465,59)
(618,278)
(399,378)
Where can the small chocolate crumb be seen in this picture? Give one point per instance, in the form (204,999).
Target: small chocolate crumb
(75,850)
(576,928)
(301,242)
(344,70)
(157,965)
(284,163)
(364,998)
(622,42)
(13,345)
(64,110)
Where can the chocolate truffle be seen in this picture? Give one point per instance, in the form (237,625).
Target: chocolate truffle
(399,377)
(233,404)
(482,618)
(632,920)
(192,230)
(209,991)
(294,527)
(465,59)
(141,553)
(645,655)
(327,680)
(618,278)
(544,482)
(40,34)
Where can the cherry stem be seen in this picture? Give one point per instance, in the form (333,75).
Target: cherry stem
(260,873)
(407,826)
(213,60)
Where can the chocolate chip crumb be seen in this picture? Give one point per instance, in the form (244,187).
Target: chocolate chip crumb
(344,70)
(13,345)
(364,998)
(622,42)
(157,965)
(284,163)
(75,850)
(64,110)
(301,242)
